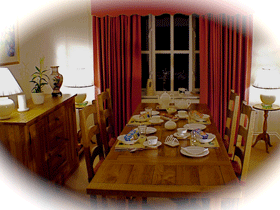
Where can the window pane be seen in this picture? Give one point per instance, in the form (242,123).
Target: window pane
(181,32)
(197,71)
(163,32)
(181,71)
(145,33)
(162,72)
(196,30)
(145,69)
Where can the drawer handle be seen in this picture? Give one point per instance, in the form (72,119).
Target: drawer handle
(56,119)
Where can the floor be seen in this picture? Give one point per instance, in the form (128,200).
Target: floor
(259,162)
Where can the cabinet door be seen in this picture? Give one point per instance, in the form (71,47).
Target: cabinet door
(38,135)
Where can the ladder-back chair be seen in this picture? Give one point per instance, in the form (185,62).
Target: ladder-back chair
(90,129)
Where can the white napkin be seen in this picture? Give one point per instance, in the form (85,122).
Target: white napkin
(194,150)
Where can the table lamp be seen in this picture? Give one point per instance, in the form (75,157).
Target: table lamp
(80,80)
(8,86)
(267,79)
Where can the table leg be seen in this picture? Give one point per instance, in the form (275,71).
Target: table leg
(264,136)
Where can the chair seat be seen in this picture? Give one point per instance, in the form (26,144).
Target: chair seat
(236,168)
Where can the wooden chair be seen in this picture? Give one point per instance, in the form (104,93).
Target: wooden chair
(90,131)
(106,120)
(231,122)
(245,134)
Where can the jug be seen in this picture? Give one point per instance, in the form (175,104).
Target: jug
(164,100)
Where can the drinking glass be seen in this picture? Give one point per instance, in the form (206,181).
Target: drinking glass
(142,130)
(149,111)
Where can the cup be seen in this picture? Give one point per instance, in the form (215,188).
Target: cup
(181,131)
(181,90)
(142,130)
(152,140)
(149,111)
(182,113)
(156,118)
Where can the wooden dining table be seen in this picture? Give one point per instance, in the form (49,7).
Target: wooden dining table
(165,171)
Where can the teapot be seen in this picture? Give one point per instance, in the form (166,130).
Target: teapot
(182,103)
(164,100)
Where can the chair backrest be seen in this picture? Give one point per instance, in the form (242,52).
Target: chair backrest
(106,118)
(231,122)
(90,129)
(245,136)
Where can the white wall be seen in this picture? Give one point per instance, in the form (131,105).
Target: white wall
(266,53)
(58,30)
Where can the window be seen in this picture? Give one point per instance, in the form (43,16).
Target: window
(170,52)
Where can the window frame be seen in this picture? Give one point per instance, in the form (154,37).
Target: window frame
(152,54)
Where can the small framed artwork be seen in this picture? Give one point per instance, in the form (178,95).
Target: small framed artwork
(9,43)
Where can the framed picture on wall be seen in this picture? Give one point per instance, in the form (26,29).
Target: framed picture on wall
(9,43)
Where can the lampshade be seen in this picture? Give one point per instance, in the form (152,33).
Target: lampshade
(267,79)
(79,78)
(8,86)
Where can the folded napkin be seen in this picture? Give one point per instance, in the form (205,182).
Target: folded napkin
(132,135)
(194,150)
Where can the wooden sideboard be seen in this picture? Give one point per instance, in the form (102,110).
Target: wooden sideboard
(44,139)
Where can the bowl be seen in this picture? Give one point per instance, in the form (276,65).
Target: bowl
(171,110)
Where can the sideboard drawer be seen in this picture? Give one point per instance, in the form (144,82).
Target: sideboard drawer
(57,119)
(56,161)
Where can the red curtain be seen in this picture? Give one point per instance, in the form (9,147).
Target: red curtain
(117,63)
(225,61)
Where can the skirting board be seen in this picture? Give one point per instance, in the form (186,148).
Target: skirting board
(269,133)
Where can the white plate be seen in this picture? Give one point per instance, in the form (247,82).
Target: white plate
(137,118)
(181,136)
(145,143)
(121,138)
(149,130)
(191,155)
(155,113)
(156,122)
(194,150)
(211,137)
(182,117)
(205,116)
(194,126)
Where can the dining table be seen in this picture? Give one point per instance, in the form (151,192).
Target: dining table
(165,171)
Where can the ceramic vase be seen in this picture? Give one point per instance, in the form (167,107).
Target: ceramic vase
(56,80)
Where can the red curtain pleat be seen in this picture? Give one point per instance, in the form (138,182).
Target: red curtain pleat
(117,63)
(225,55)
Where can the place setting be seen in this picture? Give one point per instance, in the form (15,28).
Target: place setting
(137,139)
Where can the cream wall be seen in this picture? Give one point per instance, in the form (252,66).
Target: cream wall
(266,53)
(61,32)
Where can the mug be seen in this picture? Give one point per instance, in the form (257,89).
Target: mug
(182,113)
(182,90)
(156,118)
(152,140)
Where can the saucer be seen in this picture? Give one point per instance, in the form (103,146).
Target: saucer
(145,143)
(155,113)
(137,118)
(149,130)
(156,121)
(194,126)
(182,117)
(182,136)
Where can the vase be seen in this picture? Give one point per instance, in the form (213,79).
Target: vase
(56,80)
(38,98)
